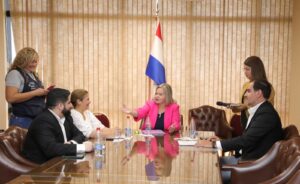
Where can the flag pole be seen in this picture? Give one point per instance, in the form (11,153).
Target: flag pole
(149,89)
(149,80)
(157,10)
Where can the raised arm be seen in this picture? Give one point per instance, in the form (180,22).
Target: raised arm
(131,112)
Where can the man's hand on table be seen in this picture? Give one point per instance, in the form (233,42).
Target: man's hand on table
(208,143)
(88,146)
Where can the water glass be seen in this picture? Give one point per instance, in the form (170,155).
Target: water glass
(117,133)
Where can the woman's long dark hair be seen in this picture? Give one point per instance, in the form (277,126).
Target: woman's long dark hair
(257,68)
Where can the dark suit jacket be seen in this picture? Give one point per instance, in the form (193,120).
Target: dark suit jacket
(45,140)
(263,131)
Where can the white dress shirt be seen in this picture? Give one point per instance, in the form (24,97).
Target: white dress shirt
(87,125)
(252,111)
(80,148)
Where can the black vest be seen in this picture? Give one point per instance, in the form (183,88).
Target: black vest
(34,106)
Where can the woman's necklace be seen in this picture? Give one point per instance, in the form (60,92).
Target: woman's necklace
(162,110)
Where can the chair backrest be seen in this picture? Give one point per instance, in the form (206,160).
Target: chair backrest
(103,118)
(12,163)
(14,138)
(235,123)
(287,161)
(290,131)
(208,118)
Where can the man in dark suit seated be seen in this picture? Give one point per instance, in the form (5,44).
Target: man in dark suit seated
(263,128)
(52,133)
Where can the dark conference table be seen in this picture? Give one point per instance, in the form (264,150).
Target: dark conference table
(136,161)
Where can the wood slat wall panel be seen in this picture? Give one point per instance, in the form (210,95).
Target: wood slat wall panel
(103,46)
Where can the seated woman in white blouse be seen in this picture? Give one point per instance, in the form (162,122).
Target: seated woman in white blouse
(84,119)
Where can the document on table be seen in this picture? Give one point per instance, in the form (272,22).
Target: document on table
(187,141)
(153,132)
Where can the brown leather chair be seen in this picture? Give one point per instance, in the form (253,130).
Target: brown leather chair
(278,165)
(295,179)
(290,131)
(12,163)
(103,118)
(235,123)
(208,118)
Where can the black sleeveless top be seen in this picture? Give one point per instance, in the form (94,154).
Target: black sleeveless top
(159,125)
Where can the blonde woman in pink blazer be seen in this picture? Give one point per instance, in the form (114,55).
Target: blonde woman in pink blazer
(162,110)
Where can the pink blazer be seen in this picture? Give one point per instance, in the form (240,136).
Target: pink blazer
(172,115)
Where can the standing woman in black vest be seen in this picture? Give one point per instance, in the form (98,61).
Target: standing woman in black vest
(23,89)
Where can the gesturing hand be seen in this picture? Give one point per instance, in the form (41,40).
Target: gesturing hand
(204,143)
(40,92)
(125,109)
(172,129)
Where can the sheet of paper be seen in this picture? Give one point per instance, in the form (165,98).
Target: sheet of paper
(187,143)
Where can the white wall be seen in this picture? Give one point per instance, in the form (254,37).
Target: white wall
(3,106)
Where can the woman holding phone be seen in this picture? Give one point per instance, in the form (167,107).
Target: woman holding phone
(23,88)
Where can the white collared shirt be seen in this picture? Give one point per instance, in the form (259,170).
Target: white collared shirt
(61,122)
(80,148)
(252,111)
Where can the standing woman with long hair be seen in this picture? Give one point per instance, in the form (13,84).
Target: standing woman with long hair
(23,88)
(254,71)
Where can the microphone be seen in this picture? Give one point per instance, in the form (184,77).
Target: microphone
(223,104)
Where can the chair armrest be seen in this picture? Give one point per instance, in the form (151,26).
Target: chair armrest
(16,157)
(245,161)
(228,167)
(261,168)
(27,162)
(248,166)
(242,166)
(245,172)
(285,175)
(10,169)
